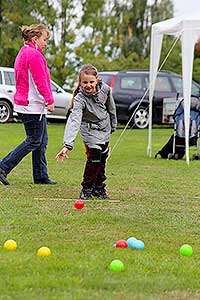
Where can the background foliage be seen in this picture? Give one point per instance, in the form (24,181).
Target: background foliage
(112,34)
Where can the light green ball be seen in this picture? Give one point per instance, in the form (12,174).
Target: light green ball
(116,265)
(186,250)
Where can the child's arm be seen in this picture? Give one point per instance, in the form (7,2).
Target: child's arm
(71,130)
(73,124)
(110,104)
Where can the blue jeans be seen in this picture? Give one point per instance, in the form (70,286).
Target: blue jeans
(35,142)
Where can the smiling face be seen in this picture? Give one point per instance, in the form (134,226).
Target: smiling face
(41,42)
(88,82)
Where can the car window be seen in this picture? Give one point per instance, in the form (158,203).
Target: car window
(9,78)
(195,90)
(1,78)
(105,78)
(53,87)
(178,83)
(131,82)
(162,84)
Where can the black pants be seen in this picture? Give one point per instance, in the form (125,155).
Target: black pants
(94,174)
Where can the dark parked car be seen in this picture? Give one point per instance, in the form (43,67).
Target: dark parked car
(129,87)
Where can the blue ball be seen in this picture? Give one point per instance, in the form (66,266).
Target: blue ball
(138,245)
(130,241)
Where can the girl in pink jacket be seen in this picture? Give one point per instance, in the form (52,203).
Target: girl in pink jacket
(32,99)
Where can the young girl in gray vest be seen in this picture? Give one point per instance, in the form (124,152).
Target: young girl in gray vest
(94,114)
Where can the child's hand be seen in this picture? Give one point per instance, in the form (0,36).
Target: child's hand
(63,153)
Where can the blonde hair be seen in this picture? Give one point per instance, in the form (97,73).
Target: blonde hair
(28,32)
(89,70)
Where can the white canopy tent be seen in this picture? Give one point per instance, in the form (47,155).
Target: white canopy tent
(188,28)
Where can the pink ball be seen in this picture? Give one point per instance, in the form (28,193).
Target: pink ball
(79,204)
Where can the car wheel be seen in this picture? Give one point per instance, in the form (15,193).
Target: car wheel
(5,112)
(141,118)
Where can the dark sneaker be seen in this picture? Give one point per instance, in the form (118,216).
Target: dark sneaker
(3,178)
(86,194)
(44,181)
(100,193)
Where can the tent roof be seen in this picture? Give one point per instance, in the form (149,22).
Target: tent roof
(176,26)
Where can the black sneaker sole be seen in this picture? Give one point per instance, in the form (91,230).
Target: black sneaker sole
(99,196)
(4,180)
(86,199)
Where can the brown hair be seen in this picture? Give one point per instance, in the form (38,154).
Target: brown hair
(28,32)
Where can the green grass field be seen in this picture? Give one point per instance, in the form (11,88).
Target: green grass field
(157,201)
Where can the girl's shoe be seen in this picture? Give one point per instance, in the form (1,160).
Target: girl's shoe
(3,178)
(100,192)
(44,181)
(86,194)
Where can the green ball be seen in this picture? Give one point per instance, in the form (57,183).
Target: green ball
(186,250)
(116,265)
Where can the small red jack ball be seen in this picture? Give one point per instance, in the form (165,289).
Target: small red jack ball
(121,244)
(79,204)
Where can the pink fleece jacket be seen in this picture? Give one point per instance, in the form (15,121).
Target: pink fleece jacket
(31,59)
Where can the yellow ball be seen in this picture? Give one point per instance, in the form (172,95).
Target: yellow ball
(43,251)
(10,245)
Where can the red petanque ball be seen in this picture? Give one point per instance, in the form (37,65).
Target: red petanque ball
(121,244)
(79,204)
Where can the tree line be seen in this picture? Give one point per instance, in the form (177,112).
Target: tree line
(112,34)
